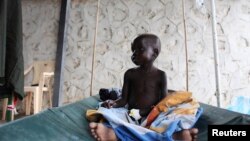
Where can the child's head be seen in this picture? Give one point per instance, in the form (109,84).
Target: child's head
(145,48)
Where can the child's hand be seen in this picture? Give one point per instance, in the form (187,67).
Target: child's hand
(109,104)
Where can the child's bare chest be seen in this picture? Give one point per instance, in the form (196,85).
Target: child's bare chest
(145,84)
(144,91)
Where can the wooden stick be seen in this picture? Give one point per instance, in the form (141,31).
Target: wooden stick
(93,52)
(216,55)
(185,38)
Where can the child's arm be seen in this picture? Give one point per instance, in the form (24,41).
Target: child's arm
(125,89)
(121,102)
(164,89)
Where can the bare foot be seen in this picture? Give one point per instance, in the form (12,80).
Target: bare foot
(186,135)
(102,133)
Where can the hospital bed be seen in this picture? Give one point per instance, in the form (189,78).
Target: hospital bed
(68,123)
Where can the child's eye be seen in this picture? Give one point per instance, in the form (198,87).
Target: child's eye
(142,49)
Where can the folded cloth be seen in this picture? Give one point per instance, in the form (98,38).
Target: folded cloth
(176,112)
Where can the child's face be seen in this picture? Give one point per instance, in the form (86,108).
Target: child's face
(143,52)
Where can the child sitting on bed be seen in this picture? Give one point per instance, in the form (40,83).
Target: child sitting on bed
(144,87)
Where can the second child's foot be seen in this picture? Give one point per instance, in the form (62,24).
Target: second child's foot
(102,133)
(186,135)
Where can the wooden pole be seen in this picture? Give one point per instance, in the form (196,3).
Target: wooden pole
(215,47)
(93,52)
(185,39)
(60,57)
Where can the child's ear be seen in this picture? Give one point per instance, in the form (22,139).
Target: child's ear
(156,53)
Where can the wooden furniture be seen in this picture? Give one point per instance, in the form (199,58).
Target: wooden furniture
(7,97)
(5,103)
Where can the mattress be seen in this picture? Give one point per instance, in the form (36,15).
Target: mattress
(68,123)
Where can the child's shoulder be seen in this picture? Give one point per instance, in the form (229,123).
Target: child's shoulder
(131,70)
(161,72)
(130,73)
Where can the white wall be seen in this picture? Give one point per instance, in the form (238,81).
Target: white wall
(121,21)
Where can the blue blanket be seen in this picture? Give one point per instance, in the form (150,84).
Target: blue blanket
(172,119)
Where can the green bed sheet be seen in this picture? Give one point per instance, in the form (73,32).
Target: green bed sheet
(68,123)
